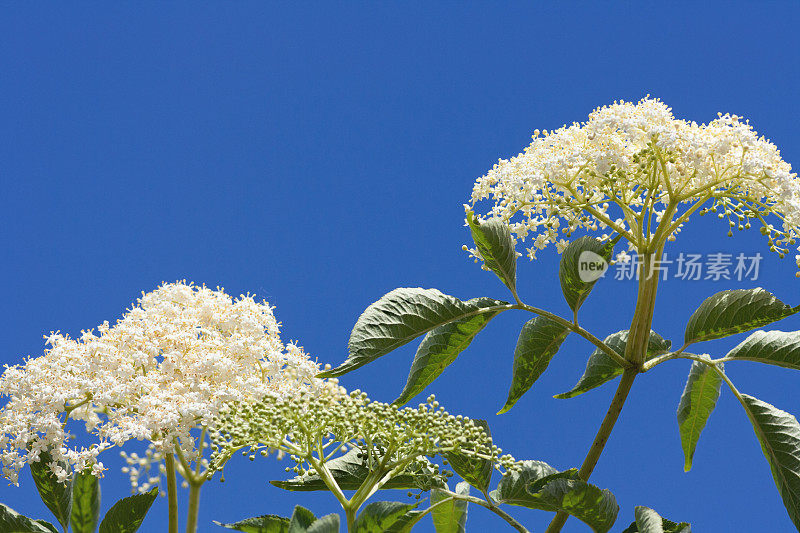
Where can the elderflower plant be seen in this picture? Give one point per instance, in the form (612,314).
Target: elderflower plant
(164,369)
(315,429)
(631,165)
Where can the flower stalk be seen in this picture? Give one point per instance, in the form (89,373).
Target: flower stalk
(194,506)
(172,493)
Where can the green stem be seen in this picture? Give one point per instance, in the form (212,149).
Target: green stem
(434,506)
(330,482)
(200,445)
(350,513)
(194,507)
(172,493)
(493,508)
(574,327)
(614,410)
(635,353)
(600,440)
(639,333)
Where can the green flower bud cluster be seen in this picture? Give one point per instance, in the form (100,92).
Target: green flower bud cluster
(315,427)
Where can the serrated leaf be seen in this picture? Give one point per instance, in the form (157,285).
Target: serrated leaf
(450,517)
(697,402)
(350,471)
(601,368)
(513,486)
(85,513)
(734,311)
(57,496)
(496,247)
(127,514)
(779,435)
(386,517)
(475,471)
(649,521)
(441,346)
(327,524)
(538,342)
(540,486)
(400,317)
(578,253)
(592,505)
(781,348)
(301,520)
(268,523)
(13,522)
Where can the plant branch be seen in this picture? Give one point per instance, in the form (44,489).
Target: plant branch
(329,481)
(493,508)
(600,439)
(433,506)
(572,326)
(678,354)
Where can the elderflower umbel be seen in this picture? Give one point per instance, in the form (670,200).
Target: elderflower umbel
(630,165)
(167,367)
(316,428)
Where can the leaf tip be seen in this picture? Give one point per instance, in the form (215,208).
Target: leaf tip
(334,372)
(400,401)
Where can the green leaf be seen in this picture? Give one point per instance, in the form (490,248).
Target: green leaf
(649,521)
(327,524)
(593,506)
(301,520)
(57,496)
(13,522)
(268,523)
(540,486)
(697,402)
(781,348)
(441,346)
(400,317)
(734,311)
(601,368)
(127,514)
(779,435)
(576,259)
(350,471)
(513,486)
(385,517)
(450,517)
(496,247)
(85,502)
(475,471)
(538,342)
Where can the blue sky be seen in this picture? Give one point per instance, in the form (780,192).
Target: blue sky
(319,156)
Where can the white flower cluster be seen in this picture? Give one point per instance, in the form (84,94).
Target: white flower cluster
(621,168)
(167,367)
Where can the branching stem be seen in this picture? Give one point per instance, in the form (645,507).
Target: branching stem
(493,508)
